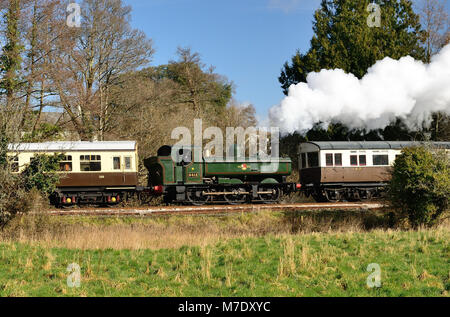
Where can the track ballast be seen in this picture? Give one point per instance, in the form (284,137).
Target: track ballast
(218,209)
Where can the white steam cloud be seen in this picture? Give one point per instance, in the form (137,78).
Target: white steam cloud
(403,88)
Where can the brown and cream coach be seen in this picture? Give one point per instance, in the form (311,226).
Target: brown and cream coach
(97,172)
(334,171)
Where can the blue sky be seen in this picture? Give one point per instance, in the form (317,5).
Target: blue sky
(246,40)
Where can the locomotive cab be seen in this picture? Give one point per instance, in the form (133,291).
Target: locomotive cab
(164,170)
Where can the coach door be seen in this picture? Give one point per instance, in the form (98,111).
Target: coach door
(119,170)
(122,165)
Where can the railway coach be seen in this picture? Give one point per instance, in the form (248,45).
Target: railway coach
(91,172)
(335,171)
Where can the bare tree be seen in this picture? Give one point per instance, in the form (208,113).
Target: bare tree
(436,22)
(238,115)
(91,58)
(447,38)
(39,39)
(147,105)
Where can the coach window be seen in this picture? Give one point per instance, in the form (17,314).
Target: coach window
(90,163)
(313,159)
(116,163)
(329,159)
(303,156)
(362,160)
(379,160)
(353,160)
(65,165)
(128,162)
(338,159)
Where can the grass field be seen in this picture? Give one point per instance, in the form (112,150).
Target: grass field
(268,254)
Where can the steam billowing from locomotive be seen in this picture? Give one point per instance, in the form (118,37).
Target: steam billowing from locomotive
(404,88)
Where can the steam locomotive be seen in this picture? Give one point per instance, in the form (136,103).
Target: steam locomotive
(198,181)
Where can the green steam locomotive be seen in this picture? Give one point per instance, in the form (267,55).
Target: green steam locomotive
(182,175)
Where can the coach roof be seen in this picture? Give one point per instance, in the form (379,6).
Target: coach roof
(73,146)
(375,145)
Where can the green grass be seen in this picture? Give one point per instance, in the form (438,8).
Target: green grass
(413,263)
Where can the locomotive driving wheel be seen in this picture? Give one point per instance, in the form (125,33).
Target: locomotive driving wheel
(269,194)
(237,196)
(196,197)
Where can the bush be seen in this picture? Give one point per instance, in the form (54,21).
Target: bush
(41,174)
(20,193)
(11,191)
(32,226)
(3,150)
(13,197)
(420,185)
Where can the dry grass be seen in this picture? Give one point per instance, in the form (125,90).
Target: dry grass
(118,237)
(173,232)
(133,233)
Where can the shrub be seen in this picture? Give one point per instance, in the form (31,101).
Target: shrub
(25,225)
(41,174)
(13,197)
(19,193)
(420,185)
(3,150)
(10,189)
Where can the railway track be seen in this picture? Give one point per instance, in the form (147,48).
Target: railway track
(225,209)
